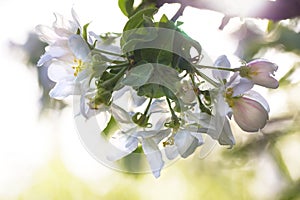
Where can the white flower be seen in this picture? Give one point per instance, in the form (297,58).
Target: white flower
(187,93)
(189,136)
(219,125)
(223,62)
(185,143)
(261,72)
(129,135)
(66,56)
(250,111)
(57,37)
(249,108)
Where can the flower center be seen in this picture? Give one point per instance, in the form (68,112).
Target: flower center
(247,72)
(228,97)
(78,66)
(170,141)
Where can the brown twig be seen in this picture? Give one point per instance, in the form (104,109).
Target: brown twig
(272,10)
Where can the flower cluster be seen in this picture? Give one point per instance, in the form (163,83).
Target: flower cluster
(150,82)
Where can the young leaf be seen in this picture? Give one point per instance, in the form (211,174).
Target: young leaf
(110,128)
(126,7)
(165,76)
(84,33)
(139,75)
(137,19)
(131,38)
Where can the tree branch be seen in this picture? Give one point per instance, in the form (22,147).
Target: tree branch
(178,13)
(272,10)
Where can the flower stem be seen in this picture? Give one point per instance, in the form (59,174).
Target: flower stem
(170,107)
(118,66)
(110,83)
(217,68)
(205,77)
(148,106)
(201,105)
(174,123)
(109,53)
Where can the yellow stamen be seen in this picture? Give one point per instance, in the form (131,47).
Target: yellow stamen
(228,97)
(78,66)
(169,141)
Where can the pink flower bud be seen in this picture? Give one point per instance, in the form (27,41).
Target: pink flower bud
(261,72)
(249,114)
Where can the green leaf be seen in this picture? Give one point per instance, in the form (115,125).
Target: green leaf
(179,23)
(111,127)
(84,33)
(137,19)
(98,65)
(164,19)
(165,76)
(139,75)
(126,7)
(163,81)
(152,90)
(132,38)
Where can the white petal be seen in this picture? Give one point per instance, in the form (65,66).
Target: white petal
(64,27)
(222,108)
(265,80)
(158,106)
(249,114)
(160,123)
(44,59)
(257,97)
(153,155)
(124,144)
(220,129)
(243,86)
(161,135)
(128,95)
(59,51)
(57,73)
(75,17)
(223,62)
(119,93)
(63,89)
(79,47)
(198,136)
(200,118)
(46,34)
(136,100)
(263,65)
(87,112)
(120,114)
(171,152)
(261,73)
(145,134)
(186,143)
(239,84)
(226,137)
(95,36)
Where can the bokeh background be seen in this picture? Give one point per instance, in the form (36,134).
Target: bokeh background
(41,156)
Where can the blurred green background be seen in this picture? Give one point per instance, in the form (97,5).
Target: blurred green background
(41,156)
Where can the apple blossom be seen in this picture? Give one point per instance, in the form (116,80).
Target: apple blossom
(66,56)
(261,72)
(249,108)
(130,134)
